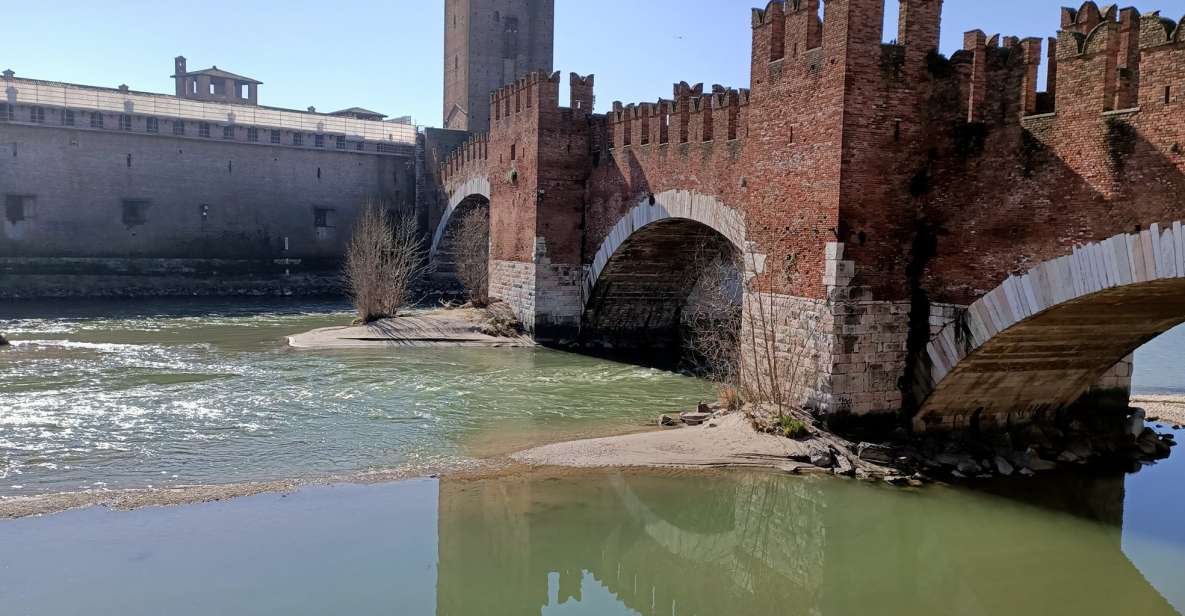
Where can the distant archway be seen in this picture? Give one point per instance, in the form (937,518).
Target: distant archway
(460,256)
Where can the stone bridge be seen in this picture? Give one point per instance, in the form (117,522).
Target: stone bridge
(940,238)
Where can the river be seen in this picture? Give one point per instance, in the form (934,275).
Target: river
(119,395)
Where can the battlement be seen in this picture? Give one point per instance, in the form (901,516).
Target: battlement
(475,150)
(1094,61)
(691,116)
(535,90)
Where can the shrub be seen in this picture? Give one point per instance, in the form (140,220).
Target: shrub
(791,427)
(384,256)
(473,255)
(730,398)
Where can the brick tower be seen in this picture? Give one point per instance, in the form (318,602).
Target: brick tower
(489,44)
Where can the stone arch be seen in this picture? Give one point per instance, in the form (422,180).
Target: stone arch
(646,284)
(1040,341)
(669,205)
(471,188)
(443,255)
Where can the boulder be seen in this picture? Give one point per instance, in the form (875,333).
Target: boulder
(1135,423)
(1035,463)
(947,459)
(969,467)
(695,419)
(822,459)
(667,420)
(1148,442)
(843,466)
(1081,449)
(1003,466)
(3,341)
(877,454)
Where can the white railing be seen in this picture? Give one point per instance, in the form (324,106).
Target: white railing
(50,94)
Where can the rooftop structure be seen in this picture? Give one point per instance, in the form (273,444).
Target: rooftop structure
(354,124)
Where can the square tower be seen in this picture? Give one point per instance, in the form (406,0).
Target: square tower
(489,44)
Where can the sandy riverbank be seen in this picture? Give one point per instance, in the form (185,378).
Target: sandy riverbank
(728,441)
(1163,409)
(459,327)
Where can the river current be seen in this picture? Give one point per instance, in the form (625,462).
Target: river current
(120,395)
(109,395)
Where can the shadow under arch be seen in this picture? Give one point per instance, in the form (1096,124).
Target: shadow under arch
(471,189)
(1039,342)
(645,273)
(442,256)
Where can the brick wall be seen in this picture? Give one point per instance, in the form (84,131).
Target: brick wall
(899,184)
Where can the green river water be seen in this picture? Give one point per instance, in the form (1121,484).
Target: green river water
(199,392)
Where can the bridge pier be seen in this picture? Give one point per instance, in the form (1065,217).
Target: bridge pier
(545,296)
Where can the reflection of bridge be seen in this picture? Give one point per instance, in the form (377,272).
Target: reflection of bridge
(955,242)
(766,544)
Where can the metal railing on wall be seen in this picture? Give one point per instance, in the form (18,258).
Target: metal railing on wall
(50,94)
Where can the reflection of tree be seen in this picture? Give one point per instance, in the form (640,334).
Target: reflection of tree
(767,544)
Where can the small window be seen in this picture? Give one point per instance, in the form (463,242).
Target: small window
(37,115)
(5,112)
(323,218)
(341,142)
(253,134)
(244,91)
(68,117)
(514,151)
(228,132)
(1168,94)
(125,122)
(179,128)
(18,208)
(319,140)
(275,137)
(96,120)
(204,211)
(297,138)
(211,88)
(135,212)
(497,16)
(152,125)
(359,146)
(204,130)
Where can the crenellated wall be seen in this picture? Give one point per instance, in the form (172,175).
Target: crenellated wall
(893,185)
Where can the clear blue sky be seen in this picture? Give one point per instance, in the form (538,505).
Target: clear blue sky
(387,55)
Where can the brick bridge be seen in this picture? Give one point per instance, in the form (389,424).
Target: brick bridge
(948,241)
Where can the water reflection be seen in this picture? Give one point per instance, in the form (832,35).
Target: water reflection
(762,544)
(615,544)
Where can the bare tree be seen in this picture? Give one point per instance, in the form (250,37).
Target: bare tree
(472,255)
(748,334)
(384,256)
(711,318)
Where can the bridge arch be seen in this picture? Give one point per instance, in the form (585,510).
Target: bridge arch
(666,206)
(1040,341)
(651,272)
(472,190)
(472,195)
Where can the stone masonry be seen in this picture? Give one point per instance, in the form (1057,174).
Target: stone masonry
(889,187)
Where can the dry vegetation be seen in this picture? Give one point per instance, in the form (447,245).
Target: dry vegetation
(737,325)
(384,257)
(472,255)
